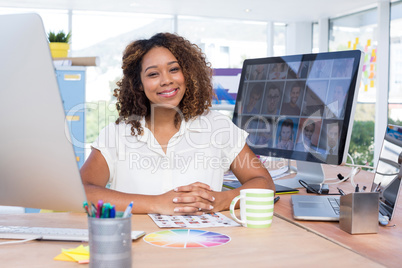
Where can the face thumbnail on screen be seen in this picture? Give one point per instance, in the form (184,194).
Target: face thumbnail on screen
(298,107)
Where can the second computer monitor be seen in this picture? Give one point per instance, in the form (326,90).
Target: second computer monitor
(300,107)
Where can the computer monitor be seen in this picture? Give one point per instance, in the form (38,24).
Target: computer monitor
(300,107)
(38,168)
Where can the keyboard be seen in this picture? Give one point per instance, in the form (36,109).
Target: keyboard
(334,202)
(50,233)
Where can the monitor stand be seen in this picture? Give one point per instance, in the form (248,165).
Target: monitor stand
(310,172)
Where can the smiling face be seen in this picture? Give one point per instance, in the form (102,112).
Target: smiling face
(294,94)
(162,78)
(309,131)
(272,99)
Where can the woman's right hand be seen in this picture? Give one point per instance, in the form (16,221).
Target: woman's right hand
(193,199)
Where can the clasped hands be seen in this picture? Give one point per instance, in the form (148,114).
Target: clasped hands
(193,199)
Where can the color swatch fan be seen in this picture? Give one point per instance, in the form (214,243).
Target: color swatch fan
(186,238)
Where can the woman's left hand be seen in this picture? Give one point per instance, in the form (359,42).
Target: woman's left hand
(194,199)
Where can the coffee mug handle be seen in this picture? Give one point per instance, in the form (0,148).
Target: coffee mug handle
(232,209)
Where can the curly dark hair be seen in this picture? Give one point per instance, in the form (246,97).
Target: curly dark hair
(132,102)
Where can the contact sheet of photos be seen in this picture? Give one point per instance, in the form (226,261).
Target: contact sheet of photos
(297,106)
(207,220)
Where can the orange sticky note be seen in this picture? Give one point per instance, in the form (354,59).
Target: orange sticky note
(371,76)
(371,67)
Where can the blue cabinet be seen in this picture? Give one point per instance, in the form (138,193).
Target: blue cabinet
(71,82)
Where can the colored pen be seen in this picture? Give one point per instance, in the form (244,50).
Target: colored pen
(103,213)
(94,210)
(99,209)
(112,213)
(106,210)
(85,205)
(128,210)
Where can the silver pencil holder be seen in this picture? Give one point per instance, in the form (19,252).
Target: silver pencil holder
(110,242)
(359,212)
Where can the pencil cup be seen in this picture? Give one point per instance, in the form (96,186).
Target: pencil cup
(256,208)
(109,242)
(359,213)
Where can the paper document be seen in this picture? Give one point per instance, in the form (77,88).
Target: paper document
(206,220)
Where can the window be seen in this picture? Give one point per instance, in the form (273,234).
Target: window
(358,31)
(395,76)
(226,43)
(279,39)
(316,38)
(53,20)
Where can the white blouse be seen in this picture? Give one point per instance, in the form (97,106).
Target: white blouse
(202,150)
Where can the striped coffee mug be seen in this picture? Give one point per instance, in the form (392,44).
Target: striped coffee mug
(256,208)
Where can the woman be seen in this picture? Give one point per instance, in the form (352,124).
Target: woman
(167,152)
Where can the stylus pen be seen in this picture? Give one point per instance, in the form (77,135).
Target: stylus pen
(276,199)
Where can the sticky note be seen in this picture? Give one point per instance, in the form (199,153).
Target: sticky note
(366,74)
(63,257)
(371,75)
(368,42)
(79,254)
(371,83)
(365,87)
(77,257)
(349,44)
